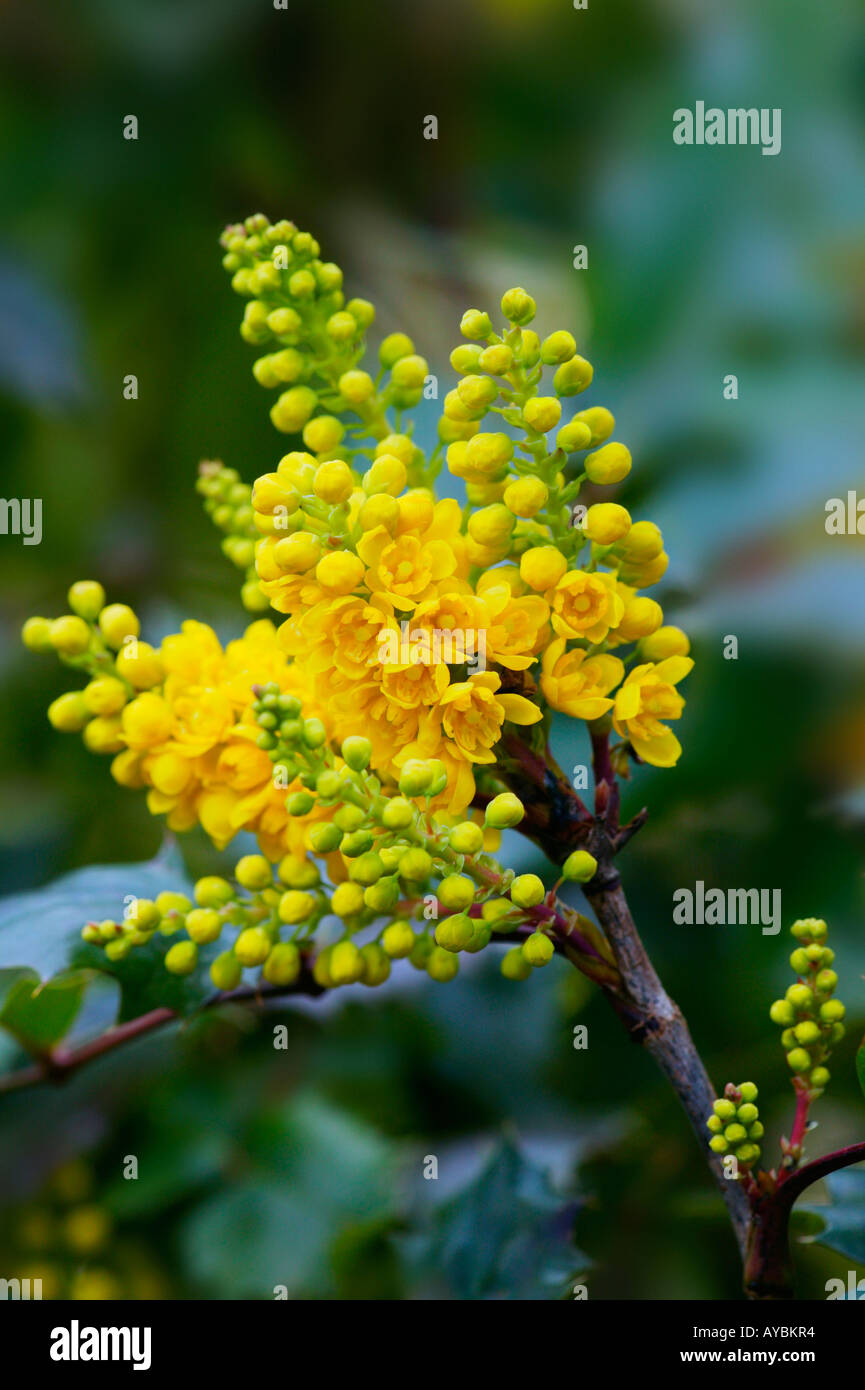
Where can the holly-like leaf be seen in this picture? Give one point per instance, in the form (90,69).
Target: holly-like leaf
(40,934)
(40,1013)
(506,1235)
(844,1217)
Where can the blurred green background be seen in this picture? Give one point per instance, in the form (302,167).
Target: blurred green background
(555,129)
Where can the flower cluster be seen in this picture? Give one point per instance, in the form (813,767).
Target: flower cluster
(408,883)
(812,1024)
(735,1124)
(417,631)
(810,1017)
(390,595)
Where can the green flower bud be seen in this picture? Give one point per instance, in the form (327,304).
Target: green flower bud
(367,868)
(747,1113)
(515,966)
(376,965)
(800,961)
(466,358)
(498,913)
(356,751)
(327,784)
(466,838)
(225,971)
(415,865)
(782,1013)
(395,346)
(299,803)
(820,1076)
(295,906)
(70,636)
(325,837)
(735,1133)
(475,324)
(725,1109)
(527,890)
(204,925)
(254,872)
(68,713)
(346,964)
(788,1038)
(747,1154)
(573,377)
(383,895)
(398,939)
(36,635)
(421,952)
(748,1091)
(87,599)
(538,949)
(718,1144)
(282,966)
(213,892)
(297,873)
(715,1124)
(314,733)
(504,811)
(826,981)
(480,936)
(807,1033)
(356,843)
(455,933)
(832,1011)
(798,1059)
(252,947)
(182,958)
(441,965)
(349,817)
(580,866)
(756,1130)
(518,306)
(558,347)
(398,814)
(800,997)
(415,778)
(457,892)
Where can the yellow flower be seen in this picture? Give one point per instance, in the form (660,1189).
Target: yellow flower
(343,634)
(585,605)
(202,718)
(472,715)
(147,721)
(578,685)
(517,626)
(414,686)
(647,697)
(404,570)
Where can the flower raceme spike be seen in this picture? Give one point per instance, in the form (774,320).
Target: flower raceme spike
(426,630)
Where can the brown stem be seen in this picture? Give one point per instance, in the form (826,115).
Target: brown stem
(768,1266)
(660,1027)
(60,1064)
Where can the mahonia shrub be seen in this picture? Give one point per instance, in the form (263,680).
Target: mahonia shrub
(357,736)
(380,731)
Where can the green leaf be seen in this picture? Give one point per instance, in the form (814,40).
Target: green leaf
(844,1217)
(860,1065)
(317,1175)
(506,1235)
(40,1014)
(41,930)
